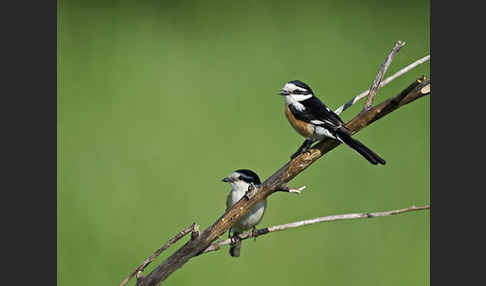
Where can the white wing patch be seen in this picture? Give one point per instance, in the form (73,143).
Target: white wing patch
(323,132)
(331,123)
(319,122)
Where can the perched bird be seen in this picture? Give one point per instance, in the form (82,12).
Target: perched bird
(240,180)
(314,120)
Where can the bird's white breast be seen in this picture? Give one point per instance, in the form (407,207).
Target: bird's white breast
(251,218)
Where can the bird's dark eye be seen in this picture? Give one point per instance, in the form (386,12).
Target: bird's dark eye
(297,91)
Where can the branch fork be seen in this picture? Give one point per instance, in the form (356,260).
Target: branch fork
(193,229)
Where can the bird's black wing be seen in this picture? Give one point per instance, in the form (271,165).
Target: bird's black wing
(317,113)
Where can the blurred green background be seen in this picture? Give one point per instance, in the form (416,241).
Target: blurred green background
(159,100)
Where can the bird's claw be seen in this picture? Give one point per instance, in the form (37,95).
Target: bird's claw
(235,238)
(299,152)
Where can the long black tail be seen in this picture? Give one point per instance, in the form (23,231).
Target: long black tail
(361,149)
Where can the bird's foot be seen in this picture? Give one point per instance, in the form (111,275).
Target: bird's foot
(254,233)
(305,147)
(299,152)
(235,238)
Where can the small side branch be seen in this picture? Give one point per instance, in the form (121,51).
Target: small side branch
(383,83)
(286,188)
(194,229)
(379,76)
(217,245)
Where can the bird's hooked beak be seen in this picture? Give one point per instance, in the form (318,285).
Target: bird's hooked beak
(227,180)
(283,92)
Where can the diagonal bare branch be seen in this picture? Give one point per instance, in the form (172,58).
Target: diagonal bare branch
(194,228)
(379,76)
(383,83)
(253,234)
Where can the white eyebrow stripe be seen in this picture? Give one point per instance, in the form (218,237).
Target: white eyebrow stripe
(291,87)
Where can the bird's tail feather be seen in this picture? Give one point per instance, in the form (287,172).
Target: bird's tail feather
(361,149)
(235,249)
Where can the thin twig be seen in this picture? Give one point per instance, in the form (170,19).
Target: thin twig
(194,228)
(383,83)
(379,76)
(253,234)
(286,188)
(297,191)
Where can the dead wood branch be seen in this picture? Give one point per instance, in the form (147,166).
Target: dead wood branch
(253,234)
(383,83)
(194,229)
(379,76)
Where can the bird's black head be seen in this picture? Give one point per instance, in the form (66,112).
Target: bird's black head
(249,176)
(301,85)
(297,89)
(244,175)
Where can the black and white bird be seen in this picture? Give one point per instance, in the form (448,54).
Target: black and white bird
(314,120)
(240,180)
